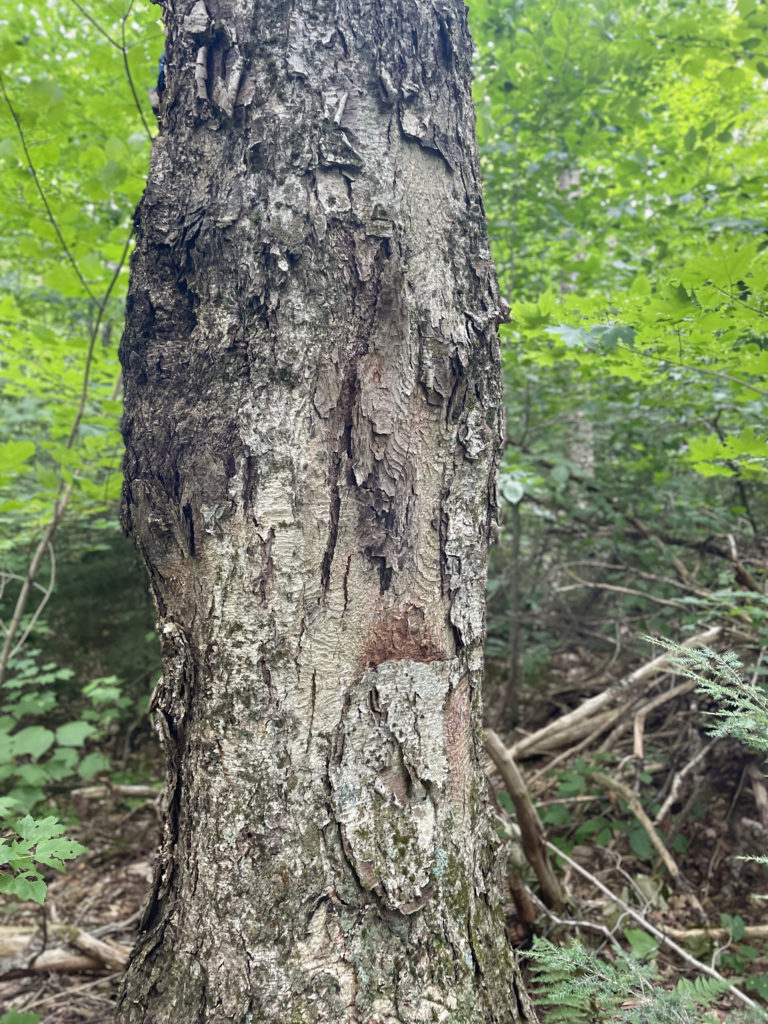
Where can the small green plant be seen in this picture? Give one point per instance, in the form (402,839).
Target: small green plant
(30,844)
(743,711)
(34,757)
(740,956)
(20,1017)
(575,986)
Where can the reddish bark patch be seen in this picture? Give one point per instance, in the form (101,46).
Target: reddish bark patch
(402,635)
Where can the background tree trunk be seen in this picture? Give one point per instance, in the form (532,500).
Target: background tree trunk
(312,425)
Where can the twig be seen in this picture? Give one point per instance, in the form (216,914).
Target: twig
(65,492)
(128,75)
(58,960)
(120,789)
(68,992)
(588,584)
(663,939)
(49,212)
(571,751)
(121,46)
(118,926)
(717,934)
(638,810)
(59,508)
(591,926)
(112,955)
(757,781)
(43,602)
(678,780)
(645,710)
(717,374)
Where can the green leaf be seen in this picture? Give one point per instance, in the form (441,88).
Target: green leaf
(640,843)
(20,1017)
(643,945)
(53,851)
(34,740)
(74,734)
(36,829)
(92,764)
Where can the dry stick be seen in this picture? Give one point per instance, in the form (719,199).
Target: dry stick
(119,789)
(531,830)
(743,575)
(663,939)
(565,922)
(14,941)
(757,781)
(602,725)
(588,584)
(640,716)
(70,991)
(574,732)
(638,810)
(751,931)
(678,781)
(599,701)
(59,960)
(47,591)
(111,954)
(6,577)
(59,508)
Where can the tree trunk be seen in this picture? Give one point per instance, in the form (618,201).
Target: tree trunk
(312,425)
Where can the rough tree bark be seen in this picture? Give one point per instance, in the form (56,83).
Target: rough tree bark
(312,423)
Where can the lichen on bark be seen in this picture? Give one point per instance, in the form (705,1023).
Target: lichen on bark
(312,423)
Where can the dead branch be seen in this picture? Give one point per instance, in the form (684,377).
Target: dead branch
(678,781)
(94,954)
(561,726)
(633,802)
(751,931)
(645,710)
(531,829)
(663,938)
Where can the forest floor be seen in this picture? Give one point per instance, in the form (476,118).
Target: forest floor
(716,910)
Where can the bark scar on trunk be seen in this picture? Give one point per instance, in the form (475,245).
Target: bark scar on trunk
(388,779)
(403,635)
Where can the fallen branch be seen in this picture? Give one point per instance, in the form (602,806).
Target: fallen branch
(663,938)
(751,931)
(645,710)
(60,961)
(113,955)
(94,954)
(562,726)
(678,781)
(118,789)
(633,802)
(531,831)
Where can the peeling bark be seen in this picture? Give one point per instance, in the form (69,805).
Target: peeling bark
(312,424)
